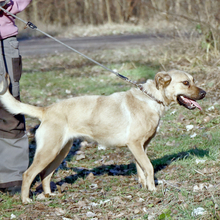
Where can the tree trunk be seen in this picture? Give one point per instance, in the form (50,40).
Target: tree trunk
(91,8)
(101,12)
(86,8)
(119,12)
(35,11)
(108,11)
(67,14)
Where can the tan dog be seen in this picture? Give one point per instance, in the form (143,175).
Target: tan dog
(126,118)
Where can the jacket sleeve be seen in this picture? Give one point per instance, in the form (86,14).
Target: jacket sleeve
(16,6)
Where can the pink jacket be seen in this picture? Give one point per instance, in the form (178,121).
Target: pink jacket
(7,22)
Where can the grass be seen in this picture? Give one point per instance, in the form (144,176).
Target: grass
(174,152)
(58,83)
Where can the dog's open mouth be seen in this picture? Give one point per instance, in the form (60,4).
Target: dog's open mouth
(188,103)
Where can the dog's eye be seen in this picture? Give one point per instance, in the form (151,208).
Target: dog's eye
(186,83)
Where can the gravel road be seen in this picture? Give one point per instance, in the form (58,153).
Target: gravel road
(44,46)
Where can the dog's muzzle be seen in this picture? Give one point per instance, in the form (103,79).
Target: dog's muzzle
(191,103)
(202,94)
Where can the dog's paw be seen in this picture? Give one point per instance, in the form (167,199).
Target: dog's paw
(52,194)
(151,187)
(27,201)
(142,182)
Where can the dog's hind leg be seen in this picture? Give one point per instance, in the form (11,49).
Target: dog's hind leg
(144,168)
(49,170)
(48,147)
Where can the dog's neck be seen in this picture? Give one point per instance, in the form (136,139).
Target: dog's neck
(149,89)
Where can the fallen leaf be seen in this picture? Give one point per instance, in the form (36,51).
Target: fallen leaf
(117,199)
(79,152)
(144,209)
(136,211)
(207,119)
(90,176)
(75,217)
(41,197)
(211,108)
(64,186)
(80,157)
(59,211)
(209,170)
(93,186)
(173,112)
(110,162)
(202,186)
(90,214)
(189,127)
(93,204)
(151,217)
(101,147)
(13,216)
(140,200)
(81,204)
(170,144)
(193,135)
(119,215)
(200,161)
(105,202)
(198,211)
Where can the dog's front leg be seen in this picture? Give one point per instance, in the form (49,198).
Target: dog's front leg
(141,177)
(144,167)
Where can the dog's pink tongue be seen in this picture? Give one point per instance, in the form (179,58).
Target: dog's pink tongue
(195,103)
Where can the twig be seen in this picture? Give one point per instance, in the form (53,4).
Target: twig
(172,185)
(199,172)
(164,68)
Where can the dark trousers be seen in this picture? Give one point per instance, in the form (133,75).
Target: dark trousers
(14,155)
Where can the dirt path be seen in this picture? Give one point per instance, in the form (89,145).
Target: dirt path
(44,46)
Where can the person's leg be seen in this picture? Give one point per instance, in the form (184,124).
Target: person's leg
(14,155)
(14,159)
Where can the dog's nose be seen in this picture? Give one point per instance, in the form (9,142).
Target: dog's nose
(202,94)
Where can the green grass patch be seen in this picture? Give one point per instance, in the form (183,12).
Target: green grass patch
(50,86)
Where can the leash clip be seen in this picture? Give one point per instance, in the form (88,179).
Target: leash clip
(31,25)
(122,77)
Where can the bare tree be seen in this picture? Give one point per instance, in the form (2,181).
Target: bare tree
(108,11)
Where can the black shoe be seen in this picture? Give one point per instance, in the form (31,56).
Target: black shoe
(11,190)
(14,190)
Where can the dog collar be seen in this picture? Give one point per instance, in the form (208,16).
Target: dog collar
(152,97)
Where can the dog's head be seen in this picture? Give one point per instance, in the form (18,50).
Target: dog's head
(178,86)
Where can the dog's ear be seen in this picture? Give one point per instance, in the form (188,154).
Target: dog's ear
(162,79)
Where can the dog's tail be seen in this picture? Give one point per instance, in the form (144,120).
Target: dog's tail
(16,107)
